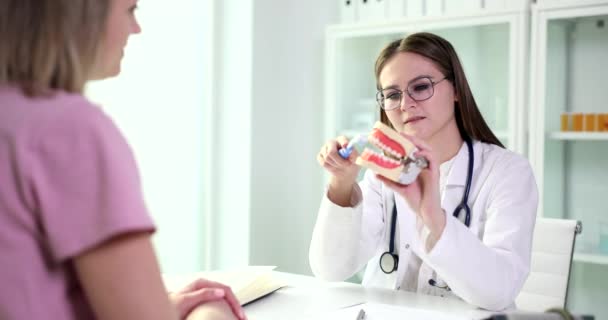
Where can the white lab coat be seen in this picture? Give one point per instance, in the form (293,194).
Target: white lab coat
(485,265)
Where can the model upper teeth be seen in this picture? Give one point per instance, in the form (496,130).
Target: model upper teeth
(386,148)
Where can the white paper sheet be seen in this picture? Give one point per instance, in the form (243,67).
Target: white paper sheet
(378,311)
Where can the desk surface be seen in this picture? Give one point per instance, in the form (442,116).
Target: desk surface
(306,296)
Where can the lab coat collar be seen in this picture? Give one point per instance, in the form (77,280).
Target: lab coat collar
(459,169)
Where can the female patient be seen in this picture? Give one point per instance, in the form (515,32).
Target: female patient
(74,231)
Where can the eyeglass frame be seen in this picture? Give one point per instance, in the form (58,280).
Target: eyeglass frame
(380,100)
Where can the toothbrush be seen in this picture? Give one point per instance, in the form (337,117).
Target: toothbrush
(357,140)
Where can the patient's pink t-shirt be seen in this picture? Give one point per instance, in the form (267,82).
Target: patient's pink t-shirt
(68,182)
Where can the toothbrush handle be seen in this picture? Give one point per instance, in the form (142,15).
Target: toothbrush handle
(345,152)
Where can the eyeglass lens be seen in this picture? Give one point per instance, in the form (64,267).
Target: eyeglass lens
(418,90)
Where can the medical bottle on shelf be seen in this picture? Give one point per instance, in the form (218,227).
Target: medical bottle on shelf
(565,121)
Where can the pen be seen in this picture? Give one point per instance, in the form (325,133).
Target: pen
(361,315)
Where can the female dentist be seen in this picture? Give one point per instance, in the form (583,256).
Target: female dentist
(464,227)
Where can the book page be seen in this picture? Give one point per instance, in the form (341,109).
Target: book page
(248,284)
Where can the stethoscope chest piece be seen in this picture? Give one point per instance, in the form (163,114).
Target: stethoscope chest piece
(389,262)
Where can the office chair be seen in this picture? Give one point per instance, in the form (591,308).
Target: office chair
(552,250)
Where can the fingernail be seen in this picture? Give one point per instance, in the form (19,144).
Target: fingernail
(242,315)
(219,292)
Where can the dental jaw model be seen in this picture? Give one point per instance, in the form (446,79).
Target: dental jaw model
(398,162)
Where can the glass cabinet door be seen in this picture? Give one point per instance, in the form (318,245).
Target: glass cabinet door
(574,133)
(569,139)
(485,50)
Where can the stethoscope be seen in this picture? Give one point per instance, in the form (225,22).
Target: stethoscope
(389,260)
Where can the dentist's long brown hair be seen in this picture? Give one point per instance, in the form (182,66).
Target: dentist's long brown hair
(468,117)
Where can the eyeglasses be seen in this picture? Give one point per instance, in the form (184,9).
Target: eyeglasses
(419,90)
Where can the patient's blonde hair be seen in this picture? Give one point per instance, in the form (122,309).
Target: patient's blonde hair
(50,44)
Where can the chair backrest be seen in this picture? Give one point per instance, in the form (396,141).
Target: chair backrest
(552,249)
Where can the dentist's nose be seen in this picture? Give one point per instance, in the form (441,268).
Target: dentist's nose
(407,102)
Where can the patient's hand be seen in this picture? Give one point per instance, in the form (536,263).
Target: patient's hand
(210,299)
(216,310)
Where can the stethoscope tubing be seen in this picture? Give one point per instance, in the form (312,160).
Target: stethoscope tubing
(463,205)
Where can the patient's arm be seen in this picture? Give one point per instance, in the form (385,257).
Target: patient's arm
(216,310)
(121,280)
(202,291)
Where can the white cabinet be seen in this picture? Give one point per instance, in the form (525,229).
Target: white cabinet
(569,67)
(415,8)
(434,8)
(380,11)
(569,64)
(348,11)
(491,48)
(396,9)
(372,10)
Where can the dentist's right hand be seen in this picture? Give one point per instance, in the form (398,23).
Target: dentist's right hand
(343,171)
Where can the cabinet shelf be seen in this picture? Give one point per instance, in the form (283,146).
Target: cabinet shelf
(594,258)
(589,136)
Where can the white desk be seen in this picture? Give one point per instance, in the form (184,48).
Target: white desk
(307,296)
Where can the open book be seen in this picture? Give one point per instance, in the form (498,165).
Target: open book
(248,284)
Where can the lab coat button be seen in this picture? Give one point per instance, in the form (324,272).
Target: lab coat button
(407,245)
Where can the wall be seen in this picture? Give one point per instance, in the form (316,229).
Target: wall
(158,102)
(267,128)
(287,128)
(231,108)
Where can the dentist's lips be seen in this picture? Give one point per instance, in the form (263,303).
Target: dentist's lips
(414,119)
